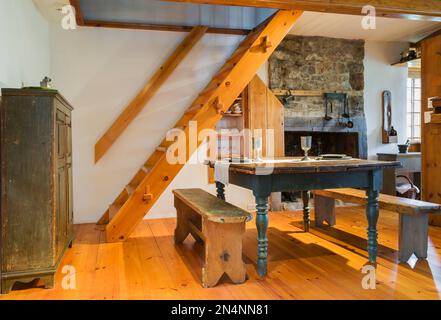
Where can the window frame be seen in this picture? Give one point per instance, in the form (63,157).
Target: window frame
(412,101)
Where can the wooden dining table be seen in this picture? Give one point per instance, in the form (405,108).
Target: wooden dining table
(292,174)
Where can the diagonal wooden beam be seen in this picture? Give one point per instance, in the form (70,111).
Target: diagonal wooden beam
(149,90)
(78,12)
(406,9)
(159,27)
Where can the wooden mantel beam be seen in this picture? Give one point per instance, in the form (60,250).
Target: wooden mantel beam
(159,27)
(406,9)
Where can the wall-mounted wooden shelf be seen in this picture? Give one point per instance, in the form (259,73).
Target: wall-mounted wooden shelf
(414,63)
(298,93)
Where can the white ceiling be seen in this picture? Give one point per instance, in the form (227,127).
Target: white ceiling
(311,23)
(350,27)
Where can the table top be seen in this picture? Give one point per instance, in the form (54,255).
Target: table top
(318,166)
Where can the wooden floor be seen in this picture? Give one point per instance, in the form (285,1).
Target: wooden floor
(322,264)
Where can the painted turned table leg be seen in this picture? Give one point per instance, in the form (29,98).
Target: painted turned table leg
(306,195)
(372,218)
(262,240)
(220,189)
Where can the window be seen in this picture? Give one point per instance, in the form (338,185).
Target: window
(414,109)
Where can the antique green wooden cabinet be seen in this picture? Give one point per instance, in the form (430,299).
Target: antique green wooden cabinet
(36,185)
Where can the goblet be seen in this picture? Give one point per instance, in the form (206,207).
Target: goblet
(306,143)
(257,144)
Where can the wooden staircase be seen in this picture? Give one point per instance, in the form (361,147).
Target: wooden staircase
(154,177)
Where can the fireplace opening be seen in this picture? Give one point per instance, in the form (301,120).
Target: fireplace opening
(322,143)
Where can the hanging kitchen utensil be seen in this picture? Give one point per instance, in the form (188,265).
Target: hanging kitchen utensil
(327,117)
(346,109)
(287,98)
(389,134)
(350,123)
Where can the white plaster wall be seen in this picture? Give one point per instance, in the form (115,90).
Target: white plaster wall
(100,71)
(379,76)
(24,48)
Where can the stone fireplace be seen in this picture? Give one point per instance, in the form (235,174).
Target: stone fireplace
(327,65)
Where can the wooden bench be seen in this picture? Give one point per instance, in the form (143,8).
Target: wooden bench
(219,226)
(413,216)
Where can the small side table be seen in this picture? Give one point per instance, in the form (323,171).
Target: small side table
(411,163)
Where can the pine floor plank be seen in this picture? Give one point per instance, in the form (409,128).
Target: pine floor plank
(322,264)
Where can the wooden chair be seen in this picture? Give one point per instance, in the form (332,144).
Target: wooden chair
(219,226)
(413,215)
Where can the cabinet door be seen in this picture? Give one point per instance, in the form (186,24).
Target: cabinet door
(69,182)
(26,179)
(61,190)
(61,209)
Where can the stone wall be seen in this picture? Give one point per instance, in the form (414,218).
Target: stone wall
(318,63)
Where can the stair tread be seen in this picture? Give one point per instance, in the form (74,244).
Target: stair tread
(146,169)
(130,189)
(113,210)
